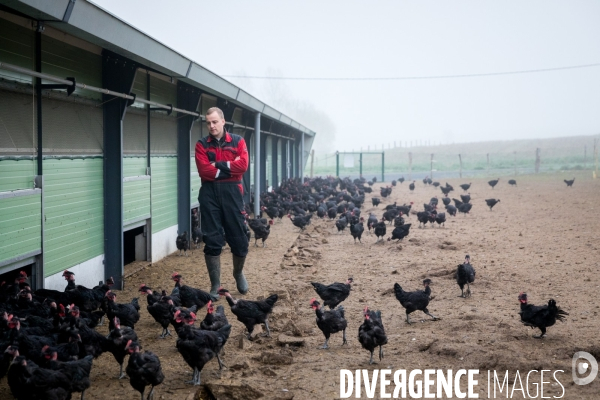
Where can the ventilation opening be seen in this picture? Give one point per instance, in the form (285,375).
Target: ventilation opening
(134,245)
(8,278)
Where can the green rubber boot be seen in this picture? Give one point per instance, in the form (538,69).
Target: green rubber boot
(238,274)
(213,264)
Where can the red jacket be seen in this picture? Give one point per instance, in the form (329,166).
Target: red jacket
(223,153)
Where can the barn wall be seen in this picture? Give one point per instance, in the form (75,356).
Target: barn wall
(164,193)
(136,193)
(73,212)
(20,225)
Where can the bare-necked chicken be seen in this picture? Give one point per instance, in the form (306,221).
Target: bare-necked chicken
(329,322)
(189,296)
(371,333)
(214,319)
(570,182)
(301,221)
(465,186)
(491,203)
(128,314)
(357,229)
(540,317)
(341,224)
(465,275)
(117,343)
(400,232)
(380,230)
(512,182)
(250,312)
(493,182)
(333,294)
(413,301)
(375,201)
(143,369)
(162,311)
(182,243)
(261,231)
(198,347)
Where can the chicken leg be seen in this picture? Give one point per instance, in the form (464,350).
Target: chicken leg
(326,344)
(221,365)
(267,327)
(121,373)
(541,335)
(195,378)
(166,332)
(371,359)
(431,315)
(380,353)
(344,336)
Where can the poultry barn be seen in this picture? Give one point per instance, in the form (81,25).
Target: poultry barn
(91,180)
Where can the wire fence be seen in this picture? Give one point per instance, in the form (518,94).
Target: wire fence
(454,161)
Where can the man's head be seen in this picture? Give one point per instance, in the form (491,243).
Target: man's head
(215,121)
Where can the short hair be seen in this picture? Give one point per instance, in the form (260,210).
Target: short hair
(215,110)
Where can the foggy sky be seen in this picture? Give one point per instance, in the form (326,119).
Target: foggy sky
(347,38)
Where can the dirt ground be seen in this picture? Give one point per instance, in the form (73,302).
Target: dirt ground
(541,238)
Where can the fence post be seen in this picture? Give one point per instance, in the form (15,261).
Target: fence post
(337,164)
(596,157)
(382,166)
(537,160)
(488,163)
(409,165)
(431,168)
(312,161)
(460,160)
(360,164)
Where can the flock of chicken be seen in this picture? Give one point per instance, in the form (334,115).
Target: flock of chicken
(48,341)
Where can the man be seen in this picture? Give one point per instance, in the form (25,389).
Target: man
(222,159)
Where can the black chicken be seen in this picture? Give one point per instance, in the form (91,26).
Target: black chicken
(466,198)
(214,320)
(329,322)
(512,182)
(465,208)
(189,296)
(162,311)
(569,183)
(401,179)
(357,229)
(446,200)
(198,347)
(465,186)
(128,314)
(341,224)
(117,343)
(423,217)
(251,312)
(333,294)
(465,274)
(400,232)
(380,230)
(77,371)
(371,333)
(371,221)
(182,243)
(196,236)
(540,317)
(440,218)
(261,231)
(491,203)
(376,201)
(413,301)
(493,182)
(143,369)
(301,222)
(451,210)
(331,213)
(412,186)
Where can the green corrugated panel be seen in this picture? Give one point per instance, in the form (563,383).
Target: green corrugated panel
(195,181)
(16,174)
(136,200)
(134,166)
(74,212)
(164,192)
(20,225)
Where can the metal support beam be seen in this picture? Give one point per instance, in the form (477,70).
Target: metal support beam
(284,160)
(118,74)
(257,165)
(263,162)
(38,272)
(301,169)
(274,163)
(188,98)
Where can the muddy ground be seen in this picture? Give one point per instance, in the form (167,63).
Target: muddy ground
(541,238)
